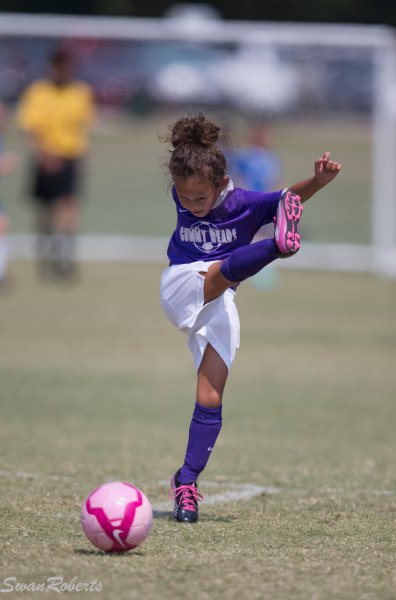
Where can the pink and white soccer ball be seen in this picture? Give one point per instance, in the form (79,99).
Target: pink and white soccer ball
(116,517)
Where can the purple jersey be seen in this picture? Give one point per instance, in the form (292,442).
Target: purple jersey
(232,223)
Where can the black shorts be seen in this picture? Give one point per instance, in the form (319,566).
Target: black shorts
(47,187)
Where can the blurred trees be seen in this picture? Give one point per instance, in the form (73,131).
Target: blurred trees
(337,11)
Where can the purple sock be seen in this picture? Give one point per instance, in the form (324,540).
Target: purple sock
(249,260)
(204,428)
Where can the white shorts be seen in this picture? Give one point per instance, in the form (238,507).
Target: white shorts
(216,322)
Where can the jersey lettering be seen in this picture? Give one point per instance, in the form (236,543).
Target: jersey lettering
(206,236)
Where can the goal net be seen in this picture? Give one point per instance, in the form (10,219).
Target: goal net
(312,87)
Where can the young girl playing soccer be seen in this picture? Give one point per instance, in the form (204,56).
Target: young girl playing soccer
(210,253)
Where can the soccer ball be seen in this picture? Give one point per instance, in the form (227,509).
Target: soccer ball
(116,517)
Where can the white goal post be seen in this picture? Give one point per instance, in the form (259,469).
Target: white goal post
(380,255)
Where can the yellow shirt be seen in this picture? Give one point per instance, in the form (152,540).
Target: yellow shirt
(58,116)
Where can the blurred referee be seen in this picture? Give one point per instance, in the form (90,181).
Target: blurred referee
(57,113)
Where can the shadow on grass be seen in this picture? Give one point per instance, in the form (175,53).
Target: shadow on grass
(85,552)
(162,514)
(217,518)
(168,516)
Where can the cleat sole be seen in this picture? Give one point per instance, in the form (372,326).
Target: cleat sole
(286,232)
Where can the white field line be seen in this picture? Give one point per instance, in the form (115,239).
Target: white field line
(233,492)
(23,475)
(242,492)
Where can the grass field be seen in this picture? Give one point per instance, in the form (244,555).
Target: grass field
(126,186)
(96,385)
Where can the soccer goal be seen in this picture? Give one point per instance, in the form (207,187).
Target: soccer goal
(319,84)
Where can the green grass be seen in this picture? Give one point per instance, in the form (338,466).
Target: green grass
(96,385)
(126,189)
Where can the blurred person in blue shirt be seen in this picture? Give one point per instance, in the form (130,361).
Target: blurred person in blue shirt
(256,166)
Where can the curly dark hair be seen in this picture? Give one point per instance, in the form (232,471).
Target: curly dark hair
(195,152)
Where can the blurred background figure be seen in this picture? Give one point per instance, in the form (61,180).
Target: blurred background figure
(57,113)
(257,166)
(7,165)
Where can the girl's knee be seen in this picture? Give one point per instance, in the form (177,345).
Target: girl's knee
(215,283)
(209,398)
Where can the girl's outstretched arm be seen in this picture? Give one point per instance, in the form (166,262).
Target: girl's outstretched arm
(325,171)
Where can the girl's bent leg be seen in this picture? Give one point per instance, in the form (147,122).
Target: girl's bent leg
(242,263)
(215,283)
(248,260)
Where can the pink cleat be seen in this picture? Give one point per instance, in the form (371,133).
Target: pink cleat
(287,217)
(186,498)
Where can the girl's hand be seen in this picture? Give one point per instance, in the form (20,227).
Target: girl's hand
(326,169)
